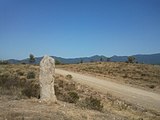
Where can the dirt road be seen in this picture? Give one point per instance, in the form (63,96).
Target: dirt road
(137,96)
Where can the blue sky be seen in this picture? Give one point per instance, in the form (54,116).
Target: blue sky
(77,28)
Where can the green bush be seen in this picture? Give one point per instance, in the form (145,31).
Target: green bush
(31,75)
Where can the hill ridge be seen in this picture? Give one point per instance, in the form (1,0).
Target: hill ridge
(141,58)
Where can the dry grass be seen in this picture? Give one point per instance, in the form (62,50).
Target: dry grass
(19,80)
(16,105)
(140,75)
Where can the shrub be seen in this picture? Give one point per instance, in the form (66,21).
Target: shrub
(20,73)
(4,78)
(93,103)
(69,86)
(30,75)
(72,97)
(8,82)
(125,75)
(151,86)
(69,77)
(60,83)
(31,89)
(131,59)
(11,84)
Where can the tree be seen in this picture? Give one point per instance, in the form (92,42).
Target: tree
(57,62)
(31,58)
(81,61)
(91,61)
(101,59)
(131,59)
(4,62)
(108,59)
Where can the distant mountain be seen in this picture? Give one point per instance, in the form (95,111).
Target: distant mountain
(62,60)
(147,59)
(13,61)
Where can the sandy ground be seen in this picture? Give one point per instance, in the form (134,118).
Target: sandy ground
(33,109)
(146,99)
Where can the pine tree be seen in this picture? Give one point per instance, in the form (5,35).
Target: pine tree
(31,58)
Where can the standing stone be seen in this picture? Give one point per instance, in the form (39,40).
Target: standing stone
(46,79)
